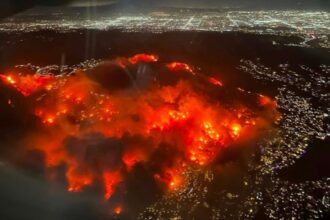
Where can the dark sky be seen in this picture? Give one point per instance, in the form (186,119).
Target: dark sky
(9,7)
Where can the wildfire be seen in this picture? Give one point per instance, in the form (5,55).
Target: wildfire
(132,157)
(177,67)
(77,181)
(49,120)
(147,58)
(175,182)
(111,179)
(171,177)
(266,101)
(214,81)
(118,210)
(26,84)
(236,128)
(133,126)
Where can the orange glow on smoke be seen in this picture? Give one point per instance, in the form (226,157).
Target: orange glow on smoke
(75,106)
(147,58)
(132,157)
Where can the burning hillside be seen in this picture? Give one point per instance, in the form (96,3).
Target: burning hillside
(100,123)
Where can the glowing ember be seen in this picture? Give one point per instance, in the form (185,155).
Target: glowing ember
(236,128)
(49,120)
(118,210)
(77,181)
(132,157)
(266,101)
(134,125)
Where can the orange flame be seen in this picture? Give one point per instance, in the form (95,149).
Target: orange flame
(214,81)
(177,67)
(76,106)
(118,210)
(172,177)
(111,179)
(26,84)
(77,181)
(266,101)
(147,58)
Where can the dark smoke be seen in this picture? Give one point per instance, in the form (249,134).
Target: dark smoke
(26,197)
